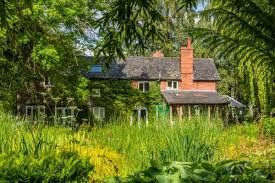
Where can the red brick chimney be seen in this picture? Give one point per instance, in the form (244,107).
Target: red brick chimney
(158,54)
(186,66)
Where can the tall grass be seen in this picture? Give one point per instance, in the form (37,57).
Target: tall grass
(31,153)
(116,147)
(18,136)
(186,140)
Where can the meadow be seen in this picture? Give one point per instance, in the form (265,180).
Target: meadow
(38,152)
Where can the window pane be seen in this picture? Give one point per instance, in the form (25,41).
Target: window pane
(96,111)
(68,112)
(141,86)
(169,84)
(28,110)
(102,113)
(96,69)
(175,84)
(146,89)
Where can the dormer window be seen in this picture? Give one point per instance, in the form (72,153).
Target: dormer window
(143,86)
(172,85)
(96,69)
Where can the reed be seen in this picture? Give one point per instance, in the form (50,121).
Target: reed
(186,140)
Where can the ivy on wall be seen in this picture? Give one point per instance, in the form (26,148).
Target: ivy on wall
(119,97)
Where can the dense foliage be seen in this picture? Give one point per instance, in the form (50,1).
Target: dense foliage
(118,97)
(225,171)
(28,155)
(269,126)
(119,149)
(63,167)
(242,32)
(44,42)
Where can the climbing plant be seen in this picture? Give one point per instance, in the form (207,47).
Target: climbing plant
(120,97)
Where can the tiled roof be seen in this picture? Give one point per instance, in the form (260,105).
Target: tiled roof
(194,97)
(205,70)
(152,68)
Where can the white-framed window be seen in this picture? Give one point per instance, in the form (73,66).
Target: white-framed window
(95,92)
(172,85)
(96,69)
(35,112)
(99,112)
(65,115)
(143,86)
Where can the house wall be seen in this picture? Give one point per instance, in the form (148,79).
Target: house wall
(205,85)
(163,85)
(196,85)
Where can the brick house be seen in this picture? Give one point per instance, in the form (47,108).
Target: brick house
(184,82)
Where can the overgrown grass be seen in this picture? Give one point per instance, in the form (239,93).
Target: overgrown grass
(118,149)
(194,141)
(29,153)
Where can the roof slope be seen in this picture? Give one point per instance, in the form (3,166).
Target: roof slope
(234,102)
(193,97)
(205,69)
(152,68)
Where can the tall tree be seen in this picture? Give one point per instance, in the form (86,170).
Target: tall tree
(44,41)
(134,24)
(243,31)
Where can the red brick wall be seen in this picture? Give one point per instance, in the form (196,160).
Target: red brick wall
(205,85)
(196,85)
(163,85)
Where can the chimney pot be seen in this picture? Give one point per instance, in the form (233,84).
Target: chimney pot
(188,45)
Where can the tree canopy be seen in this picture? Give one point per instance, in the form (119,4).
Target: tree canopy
(242,32)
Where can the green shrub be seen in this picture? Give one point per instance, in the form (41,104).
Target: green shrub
(225,171)
(63,167)
(269,126)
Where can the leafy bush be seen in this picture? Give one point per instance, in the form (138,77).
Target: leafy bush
(105,161)
(269,126)
(64,167)
(225,171)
